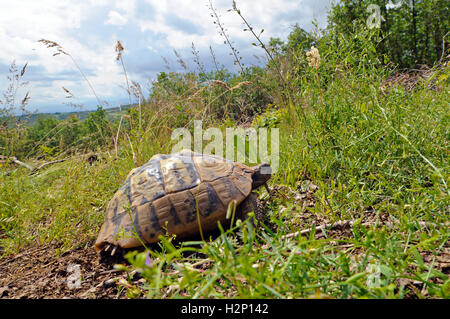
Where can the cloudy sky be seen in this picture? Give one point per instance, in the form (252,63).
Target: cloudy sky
(149,30)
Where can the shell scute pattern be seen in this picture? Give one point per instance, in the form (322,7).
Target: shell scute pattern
(173,193)
(145,185)
(179,173)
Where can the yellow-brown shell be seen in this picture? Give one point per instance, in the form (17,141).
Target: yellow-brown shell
(173,193)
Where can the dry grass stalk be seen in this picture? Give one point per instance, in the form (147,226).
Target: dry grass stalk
(313,57)
(132,151)
(70,95)
(228,89)
(180,59)
(213,56)
(60,49)
(196,93)
(221,83)
(237,86)
(222,32)
(116,140)
(119,49)
(137,91)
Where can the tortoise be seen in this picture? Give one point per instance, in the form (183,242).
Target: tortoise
(175,194)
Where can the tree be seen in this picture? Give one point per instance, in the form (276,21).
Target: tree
(414,31)
(298,39)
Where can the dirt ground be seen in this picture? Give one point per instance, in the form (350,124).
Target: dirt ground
(38,273)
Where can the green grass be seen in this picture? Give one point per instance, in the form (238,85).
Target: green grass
(265,266)
(376,152)
(383,153)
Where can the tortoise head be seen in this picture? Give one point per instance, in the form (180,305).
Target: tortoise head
(261,174)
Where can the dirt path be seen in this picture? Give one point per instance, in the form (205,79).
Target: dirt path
(79,273)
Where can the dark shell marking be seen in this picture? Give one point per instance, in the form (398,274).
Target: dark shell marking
(173,193)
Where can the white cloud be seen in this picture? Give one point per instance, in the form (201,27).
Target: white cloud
(275,17)
(87,30)
(127,6)
(115,18)
(25,22)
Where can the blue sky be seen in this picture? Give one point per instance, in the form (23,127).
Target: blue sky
(148,29)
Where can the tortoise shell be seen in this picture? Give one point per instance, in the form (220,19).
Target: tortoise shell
(175,193)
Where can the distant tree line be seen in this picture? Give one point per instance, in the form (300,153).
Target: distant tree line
(412,32)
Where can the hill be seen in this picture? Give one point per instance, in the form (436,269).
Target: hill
(111,113)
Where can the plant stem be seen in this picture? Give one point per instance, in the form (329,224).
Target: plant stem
(227,39)
(86,79)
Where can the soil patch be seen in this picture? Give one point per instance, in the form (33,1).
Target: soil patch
(78,273)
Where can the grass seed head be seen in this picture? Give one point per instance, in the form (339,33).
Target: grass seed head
(119,48)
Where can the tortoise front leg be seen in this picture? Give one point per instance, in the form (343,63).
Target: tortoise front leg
(251,204)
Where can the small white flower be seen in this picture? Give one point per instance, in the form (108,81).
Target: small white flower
(313,57)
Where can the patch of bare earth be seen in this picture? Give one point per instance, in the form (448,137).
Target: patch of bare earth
(39,273)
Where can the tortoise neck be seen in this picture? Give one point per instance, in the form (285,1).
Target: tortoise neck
(261,174)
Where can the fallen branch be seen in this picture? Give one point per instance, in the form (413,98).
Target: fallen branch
(330,226)
(341,223)
(5,159)
(46,164)
(33,169)
(350,223)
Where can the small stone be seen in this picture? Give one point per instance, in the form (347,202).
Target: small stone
(109,283)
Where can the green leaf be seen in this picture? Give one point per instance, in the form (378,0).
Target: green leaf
(354,278)
(417,257)
(446,289)
(385,270)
